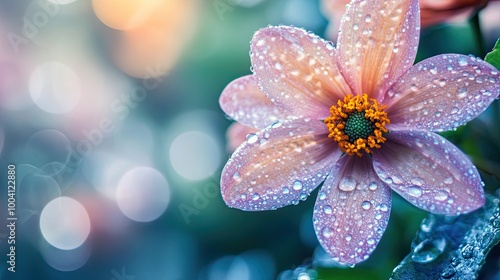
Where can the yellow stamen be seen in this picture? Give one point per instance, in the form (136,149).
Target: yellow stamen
(357,124)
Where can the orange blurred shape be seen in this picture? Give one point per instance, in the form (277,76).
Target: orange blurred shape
(126,14)
(153,33)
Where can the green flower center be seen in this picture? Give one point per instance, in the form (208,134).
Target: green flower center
(357,126)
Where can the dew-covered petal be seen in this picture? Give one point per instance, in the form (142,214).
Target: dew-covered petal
(377,43)
(243,101)
(352,210)
(278,166)
(297,71)
(430,172)
(236,134)
(442,92)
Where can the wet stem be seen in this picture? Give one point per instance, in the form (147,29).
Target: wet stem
(476,26)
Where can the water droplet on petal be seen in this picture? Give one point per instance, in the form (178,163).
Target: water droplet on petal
(348,238)
(372,186)
(327,232)
(462,61)
(327,209)
(370,241)
(366,205)
(384,207)
(322,195)
(368,18)
(286,190)
(252,138)
(415,191)
(441,196)
(297,185)
(347,184)
(428,250)
(448,180)
(236,176)
(462,93)
(467,251)
(255,196)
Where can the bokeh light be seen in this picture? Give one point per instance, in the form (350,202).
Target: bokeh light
(62,2)
(65,260)
(55,87)
(143,194)
(64,223)
(47,146)
(36,191)
(195,155)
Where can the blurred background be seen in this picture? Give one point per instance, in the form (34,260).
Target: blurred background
(109,111)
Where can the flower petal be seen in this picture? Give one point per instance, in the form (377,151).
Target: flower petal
(352,210)
(243,101)
(297,71)
(442,92)
(430,172)
(236,134)
(377,43)
(278,166)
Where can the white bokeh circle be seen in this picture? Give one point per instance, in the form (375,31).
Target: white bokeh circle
(64,223)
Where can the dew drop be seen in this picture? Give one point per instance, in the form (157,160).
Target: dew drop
(236,176)
(322,195)
(418,181)
(329,46)
(368,18)
(327,209)
(415,191)
(297,185)
(286,190)
(276,124)
(462,93)
(372,186)
(467,251)
(441,196)
(395,49)
(462,61)
(378,216)
(347,184)
(370,241)
(348,238)
(366,205)
(454,110)
(384,207)
(448,180)
(327,232)
(255,196)
(252,138)
(355,26)
(428,250)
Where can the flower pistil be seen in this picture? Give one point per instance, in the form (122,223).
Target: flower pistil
(357,124)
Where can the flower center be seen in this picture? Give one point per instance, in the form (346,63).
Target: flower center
(357,124)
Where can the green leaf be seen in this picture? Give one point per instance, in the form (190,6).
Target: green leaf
(452,247)
(493,57)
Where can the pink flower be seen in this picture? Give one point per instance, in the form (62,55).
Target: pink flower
(359,118)
(432,12)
